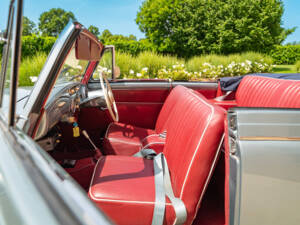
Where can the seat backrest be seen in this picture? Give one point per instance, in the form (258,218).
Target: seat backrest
(167,108)
(257,91)
(194,132)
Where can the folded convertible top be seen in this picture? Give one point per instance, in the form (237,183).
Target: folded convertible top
(232,83)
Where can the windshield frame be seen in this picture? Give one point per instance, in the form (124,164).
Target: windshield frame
(11,58)
(43,86)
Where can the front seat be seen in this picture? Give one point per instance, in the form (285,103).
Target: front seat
(124,186)
(125,139)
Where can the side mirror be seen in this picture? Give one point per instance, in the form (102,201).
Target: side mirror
(88,47)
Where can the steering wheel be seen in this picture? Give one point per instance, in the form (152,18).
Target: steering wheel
(109,97)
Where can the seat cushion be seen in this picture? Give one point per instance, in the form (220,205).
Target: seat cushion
(124,139)
(123,187)
(257,91)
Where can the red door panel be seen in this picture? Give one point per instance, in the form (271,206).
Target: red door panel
(139,102)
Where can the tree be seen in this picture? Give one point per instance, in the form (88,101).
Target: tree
(106,35)
(94,30)
(52,22)
(193,27)
(28,26)
(132,37)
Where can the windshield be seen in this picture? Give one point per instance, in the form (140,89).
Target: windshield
(72,70)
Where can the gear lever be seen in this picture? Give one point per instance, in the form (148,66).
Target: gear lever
(98,152)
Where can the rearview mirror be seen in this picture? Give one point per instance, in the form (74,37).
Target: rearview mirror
(88,47)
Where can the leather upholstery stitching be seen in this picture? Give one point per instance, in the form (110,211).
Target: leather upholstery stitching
(153,143)
(196,150)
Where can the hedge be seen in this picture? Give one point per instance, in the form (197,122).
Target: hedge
(131,46)
(289,54)
(31,45)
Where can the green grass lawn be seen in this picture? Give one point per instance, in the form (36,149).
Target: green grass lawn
(284,69)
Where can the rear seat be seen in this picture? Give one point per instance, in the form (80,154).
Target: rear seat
(257,91)
(123,186)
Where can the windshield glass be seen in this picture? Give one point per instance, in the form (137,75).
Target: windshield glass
(73,69)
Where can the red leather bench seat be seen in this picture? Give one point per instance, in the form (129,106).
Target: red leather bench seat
(123,139)
(123,186)
(257,91)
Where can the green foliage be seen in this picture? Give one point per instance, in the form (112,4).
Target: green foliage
(33,44)
(284,69)
(28,26)
(52,22)
(152,65)
(195,27)
(30,68)
(298,66)
(285,54)
(195,63)
(94,30)
(130,46)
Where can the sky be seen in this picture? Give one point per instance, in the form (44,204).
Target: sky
(118,16)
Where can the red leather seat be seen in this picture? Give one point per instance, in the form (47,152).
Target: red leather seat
(123,186)
(257,91)
(124,139)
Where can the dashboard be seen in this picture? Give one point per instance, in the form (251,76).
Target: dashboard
(61,107)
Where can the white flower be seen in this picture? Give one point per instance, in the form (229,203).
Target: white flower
(248,62)
(79,67)
(243,64)
(145,69)
(139,75)
(33,79)
(104,69)
(182,65)
(131,71)
(109,71)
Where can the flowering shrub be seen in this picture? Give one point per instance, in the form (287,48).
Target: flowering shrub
(207,71)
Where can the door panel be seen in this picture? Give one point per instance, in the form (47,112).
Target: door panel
(263,164)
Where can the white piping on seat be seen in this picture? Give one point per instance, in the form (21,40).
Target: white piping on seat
(108,129)
(196,150)
(210,173)
(113,200)
(124,142)
(121,201)
(153,143)
(151,135)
